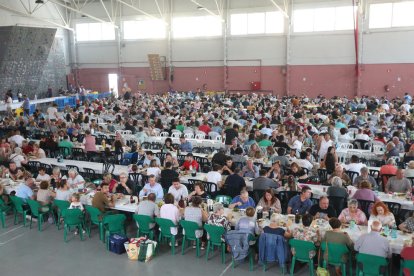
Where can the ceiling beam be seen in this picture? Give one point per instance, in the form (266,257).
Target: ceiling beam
(138,10)
(34,17)
(279,8)
(56,2)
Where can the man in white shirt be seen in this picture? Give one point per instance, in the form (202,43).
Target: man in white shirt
(52,112)
(178,190)
(17,138)
(304,161)
(214,176)
(355,165)
(361,136)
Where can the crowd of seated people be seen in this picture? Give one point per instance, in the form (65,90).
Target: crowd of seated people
(276,145)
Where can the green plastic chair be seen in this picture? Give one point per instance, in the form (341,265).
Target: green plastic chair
(18,208)
(215,234)
(406,264)
(95,217)
(4,208)
(370,265)
(189,235)
(37,210)
(60,205)
(335,253)
(113,224)
(72,218)
(224,199)
(303,253)
(144,228)
(165,234)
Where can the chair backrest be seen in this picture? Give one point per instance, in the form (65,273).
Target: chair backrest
(394,207)
(190,228)
(17,203)
(323,175)
(223,199)
(135,178)
(365,206)
(146,145)
(408,265)
(164,134)
(284,197)
(189,135)
(114,223)
(165,226)
(384,179)
(143,222)
(72,216)
(302,249)
(346,146)
(352,175)
(200,136)
(94,213)
(338,203)
(89,173)
(73,167)
(209,187)
(34,206)
(371,264)
(175,135)
(61,204)
(335,251)
(215,232)
(108,168)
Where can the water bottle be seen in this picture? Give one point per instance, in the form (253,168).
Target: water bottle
(394,232)
(386,230)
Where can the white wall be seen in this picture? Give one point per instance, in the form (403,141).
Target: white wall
(305,49)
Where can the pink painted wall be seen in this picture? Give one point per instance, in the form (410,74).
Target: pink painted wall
(329,80)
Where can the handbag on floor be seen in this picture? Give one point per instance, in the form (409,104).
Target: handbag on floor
(116,243)
(146,250)
(132,247)
(321,271)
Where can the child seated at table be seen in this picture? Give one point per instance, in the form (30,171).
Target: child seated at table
(75,202)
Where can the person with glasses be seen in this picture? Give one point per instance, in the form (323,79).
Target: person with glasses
(125,185)
(301,203)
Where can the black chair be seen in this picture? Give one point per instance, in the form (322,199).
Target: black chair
(125,161)
(78,154)
(323,175)
(257,195)
(146,146)
(135,178)
(338,203)
(89,174)
(401,165)
(161,156)
(190,185)
(73,167)
(315,201)
(395,208)
(284,197)
(33,166)
(156,146)
(365,206)
(352,175)
(412,181)
(209,187)
(166,182)
(64,151)
(361,144)
(181,159)
(197,150)
(108,168)
(63,171)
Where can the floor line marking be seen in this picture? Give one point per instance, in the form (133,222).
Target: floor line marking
(2,234)
(225,270)
(18,236)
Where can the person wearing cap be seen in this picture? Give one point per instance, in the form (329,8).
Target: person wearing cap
(185,146)
(190,163)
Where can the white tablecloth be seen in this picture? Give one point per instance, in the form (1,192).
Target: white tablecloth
(319,190)
(194,142)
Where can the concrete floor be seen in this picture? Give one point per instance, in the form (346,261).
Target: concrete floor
(29,252)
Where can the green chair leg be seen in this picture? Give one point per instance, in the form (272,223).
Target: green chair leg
(65,232)
(39,223)
(207,250)
(223,252)
(292,267)
(183,246)
(198,248)
(80,232)
(172,245)
(3,219)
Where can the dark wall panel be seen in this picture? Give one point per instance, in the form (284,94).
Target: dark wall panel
(30,60)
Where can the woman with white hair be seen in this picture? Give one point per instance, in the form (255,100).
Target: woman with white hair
(18,157)
(274,228)
(218,218)
(352,213)
(38,152)
(75,180)
(337,189)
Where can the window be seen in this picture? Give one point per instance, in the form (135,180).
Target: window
(95,31)
(196,26)
(324,19)
(144,29)
(257,23)
(388,15)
